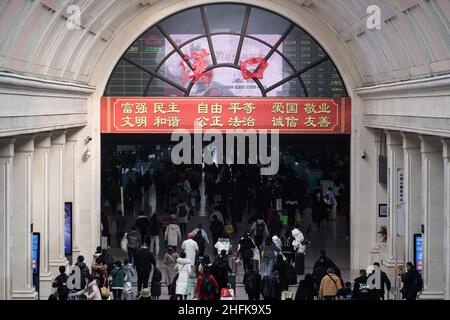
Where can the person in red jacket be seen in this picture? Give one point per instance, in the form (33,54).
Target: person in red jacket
(206,285)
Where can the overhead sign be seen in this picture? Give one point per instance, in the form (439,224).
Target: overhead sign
(165,114)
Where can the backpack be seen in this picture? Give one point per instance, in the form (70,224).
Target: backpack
(250,283)
(182,212)
(207,286)
(260,229)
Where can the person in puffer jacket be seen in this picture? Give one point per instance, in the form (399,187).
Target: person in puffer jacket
(172,236)
(93,292)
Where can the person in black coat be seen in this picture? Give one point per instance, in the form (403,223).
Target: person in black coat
(412,282)
(252,283)
(385,283)
(328,263)
(60,283)
(144,261)
(281,267)
(306,289)
(270,287)
(246,246)
(361,289)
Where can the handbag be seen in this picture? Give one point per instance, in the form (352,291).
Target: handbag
(105,292)
(124,243)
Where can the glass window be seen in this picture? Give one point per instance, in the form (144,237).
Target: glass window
(127,80)
(277,69)
(188,23)
(150,49)
(160,88)
(225,47)
(324,81)
(226,82)
(225,17)
(154,52)
(263,22)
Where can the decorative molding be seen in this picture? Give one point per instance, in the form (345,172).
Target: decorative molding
(429,87)
(13,80)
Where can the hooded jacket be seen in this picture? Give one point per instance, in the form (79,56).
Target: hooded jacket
(172,235)
(184,271)
(298,239)
(92,290)
(129,272)
(190,247)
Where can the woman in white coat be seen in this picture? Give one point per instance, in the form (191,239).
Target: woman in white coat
(184,269)
(299,250)
(92,290)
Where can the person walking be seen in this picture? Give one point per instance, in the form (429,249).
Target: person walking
(270,250)
(299,249)
(281,268)
(170,261)
(206,285)
(117,277)
(270,287)
(217,228)
(252,283)
(156,284)
(144,262)
(92,290)
(182,216)
(245,249)
(307,220)
(155,229)
(60,283)
(412,282)
(184,269)
(329,286)
(121,225)
(260,231)
(84,272)
(384,282)
(132,244)
(306,289)
(190,247)
(361,288)
(172,235)
(198,238)
(128,268)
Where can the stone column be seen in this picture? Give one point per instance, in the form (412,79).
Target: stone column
(70,186)
(41,213)
(394,144)
(21,226)
(413,190)
(446,155)
(6,174)
(56,204)
(433,217)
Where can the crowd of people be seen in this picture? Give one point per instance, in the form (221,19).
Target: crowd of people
(275,216)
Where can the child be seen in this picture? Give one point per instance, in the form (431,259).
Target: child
(127,291)
(346,293)
(156,284)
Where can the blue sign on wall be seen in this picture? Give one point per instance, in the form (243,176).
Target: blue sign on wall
(418,251)
(35,256)
(68,228)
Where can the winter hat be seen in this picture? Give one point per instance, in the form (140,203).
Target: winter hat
(145,293)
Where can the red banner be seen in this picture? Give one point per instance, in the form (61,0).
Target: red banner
(164,115)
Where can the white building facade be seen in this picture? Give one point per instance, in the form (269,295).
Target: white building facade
(52,77)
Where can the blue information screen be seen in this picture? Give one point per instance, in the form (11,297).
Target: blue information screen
(418,251)
(68,228)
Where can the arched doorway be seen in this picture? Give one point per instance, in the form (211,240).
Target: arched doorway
(164,62)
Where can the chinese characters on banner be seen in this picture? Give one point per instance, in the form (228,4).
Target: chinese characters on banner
(163,115)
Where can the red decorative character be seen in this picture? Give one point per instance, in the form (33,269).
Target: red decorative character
(199,66)
(259,70)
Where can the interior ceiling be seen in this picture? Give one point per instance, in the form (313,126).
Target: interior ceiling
(414,41)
